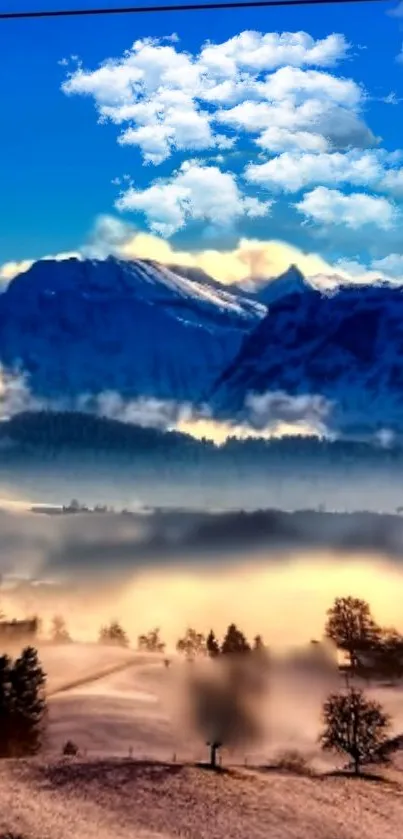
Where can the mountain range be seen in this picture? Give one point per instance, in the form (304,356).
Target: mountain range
(136,328)
(345,347)
(141,329)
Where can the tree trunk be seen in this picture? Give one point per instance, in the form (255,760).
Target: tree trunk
(213,755)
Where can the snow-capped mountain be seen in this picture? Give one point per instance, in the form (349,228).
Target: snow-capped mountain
(141,329)
(346,347)
(89,326)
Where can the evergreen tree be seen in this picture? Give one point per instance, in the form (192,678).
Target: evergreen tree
(5,705)
(28,704)
(234,641)
(212,645)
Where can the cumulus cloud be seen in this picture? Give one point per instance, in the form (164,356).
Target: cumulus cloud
(309,101)
(329,206)
(293,171)
(249,259)
(393,182)
(165,99)
(257,51)
(195,192)
(280,90)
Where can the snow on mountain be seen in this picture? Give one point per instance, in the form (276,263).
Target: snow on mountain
(138,328)
(145,330)
(346,347)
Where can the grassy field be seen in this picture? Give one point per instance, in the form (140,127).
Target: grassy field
(115,702)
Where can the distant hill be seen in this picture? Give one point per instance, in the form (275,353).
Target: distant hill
(74,430)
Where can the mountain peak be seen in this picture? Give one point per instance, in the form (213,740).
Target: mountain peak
(291,281)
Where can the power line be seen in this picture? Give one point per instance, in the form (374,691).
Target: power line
(183,7)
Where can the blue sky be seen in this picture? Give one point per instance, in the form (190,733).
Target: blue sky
(273,137)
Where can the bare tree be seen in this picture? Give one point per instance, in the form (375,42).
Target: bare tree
(192,644)
(59,632)
(113,634)
(151,642)
(355,726)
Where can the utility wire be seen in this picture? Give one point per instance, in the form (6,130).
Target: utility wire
(183,7)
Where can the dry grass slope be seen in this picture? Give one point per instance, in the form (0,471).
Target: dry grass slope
(118,799)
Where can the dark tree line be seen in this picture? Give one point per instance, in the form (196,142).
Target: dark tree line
(194,644)
(77,431)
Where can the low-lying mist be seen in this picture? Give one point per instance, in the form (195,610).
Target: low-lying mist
(272,573)
(262,702)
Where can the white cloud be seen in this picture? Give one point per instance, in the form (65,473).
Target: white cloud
(329,206)
(267,409)
(9,270)
(393,182)
(292,171)
(338,126)
(281,90)
(391,265)
(278,139)
(299,84)
(257,51)
(250,258)
(195,192)
(164,97)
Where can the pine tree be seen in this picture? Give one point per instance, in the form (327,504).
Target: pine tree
(212,645)
(234,641)
(5,705)
(28,704)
